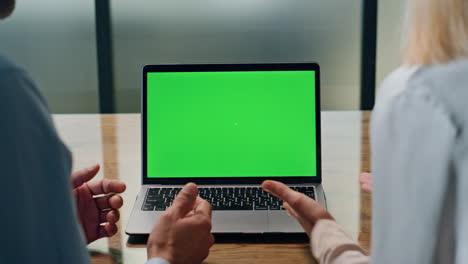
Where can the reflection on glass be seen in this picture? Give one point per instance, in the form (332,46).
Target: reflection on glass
(55,41)
(214,31)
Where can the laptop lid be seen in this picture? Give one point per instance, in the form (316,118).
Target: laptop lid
(231,123)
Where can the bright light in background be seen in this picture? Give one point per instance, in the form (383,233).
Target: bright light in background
(201,10)
(239,31)
(61,33)
(55,41)
(257,6)
(52,10)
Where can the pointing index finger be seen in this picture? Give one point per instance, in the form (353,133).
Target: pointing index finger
(304,206)
(184,201)
(280,190)
(298,201)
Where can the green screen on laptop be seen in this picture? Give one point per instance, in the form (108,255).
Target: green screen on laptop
(231,124)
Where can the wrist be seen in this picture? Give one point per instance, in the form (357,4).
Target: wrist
(159,253)
(157,260)
(324,215)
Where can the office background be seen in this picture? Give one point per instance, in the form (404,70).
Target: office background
(86,56)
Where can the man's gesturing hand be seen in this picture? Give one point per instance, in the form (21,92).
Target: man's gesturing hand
(304,209)
(97,215)
(183,233)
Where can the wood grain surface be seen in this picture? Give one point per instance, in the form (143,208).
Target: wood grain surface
(366,205)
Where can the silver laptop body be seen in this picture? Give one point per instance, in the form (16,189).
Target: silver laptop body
(144,215)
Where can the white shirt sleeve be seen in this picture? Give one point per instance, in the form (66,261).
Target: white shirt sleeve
(330,244)
(157,261)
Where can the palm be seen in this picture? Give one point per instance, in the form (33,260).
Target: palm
(88,212)
(97,203)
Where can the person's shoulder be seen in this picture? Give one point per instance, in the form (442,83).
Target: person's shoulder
(16,84)
(7,65)
(445,84)
(395,83)
(439,89)
(442,77)
(11,74)
(13,77)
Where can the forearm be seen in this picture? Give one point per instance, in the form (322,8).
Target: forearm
(331,245)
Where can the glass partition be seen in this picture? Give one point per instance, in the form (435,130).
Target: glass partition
(242,31)
(389,33)
(54,40)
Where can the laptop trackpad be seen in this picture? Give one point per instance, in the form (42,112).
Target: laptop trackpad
(240,221)
(281,222)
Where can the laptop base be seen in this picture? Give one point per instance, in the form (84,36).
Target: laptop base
(224,222)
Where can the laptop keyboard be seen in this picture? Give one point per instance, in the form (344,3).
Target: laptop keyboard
(222,198)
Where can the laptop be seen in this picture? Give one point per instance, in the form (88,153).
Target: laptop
(227,128)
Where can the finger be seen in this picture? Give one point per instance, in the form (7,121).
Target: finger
(184,201)
(84,175)
(282,191)
(211,240)
(189,214)
(107,230)
(199,221)
(197,203)
(303,205)
(111,216)
(289,210)
(204,208)
(365,177)
(303,222)
(112,201)
(366,188)
(106,186)
(366,182)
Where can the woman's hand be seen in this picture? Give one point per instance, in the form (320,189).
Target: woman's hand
(366,182)
(306,211)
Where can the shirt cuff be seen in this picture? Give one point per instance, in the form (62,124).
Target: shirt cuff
(329,241)
(157,261)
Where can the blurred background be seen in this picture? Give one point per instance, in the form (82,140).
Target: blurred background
(87,56)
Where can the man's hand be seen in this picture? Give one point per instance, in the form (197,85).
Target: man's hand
(366,182)
(97,215)
(183,233)
(304,209)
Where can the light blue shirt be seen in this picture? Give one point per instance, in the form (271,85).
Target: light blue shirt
(157,261)
(419,144)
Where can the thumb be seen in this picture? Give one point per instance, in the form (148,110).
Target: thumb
(84,175)
(185,201)
(304,206)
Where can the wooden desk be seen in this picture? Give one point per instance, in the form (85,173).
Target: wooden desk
(114,141)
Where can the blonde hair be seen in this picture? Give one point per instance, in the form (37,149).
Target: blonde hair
(436,31)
